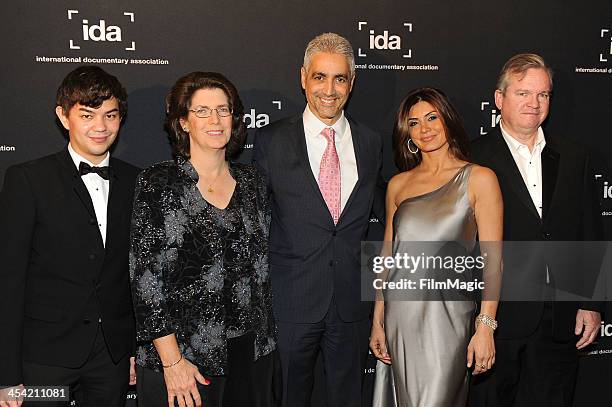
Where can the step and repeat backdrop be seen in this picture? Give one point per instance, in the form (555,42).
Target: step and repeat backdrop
(457,46)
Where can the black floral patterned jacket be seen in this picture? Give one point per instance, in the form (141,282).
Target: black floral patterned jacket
(198,271)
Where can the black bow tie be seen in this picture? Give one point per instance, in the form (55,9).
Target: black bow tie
(85,169)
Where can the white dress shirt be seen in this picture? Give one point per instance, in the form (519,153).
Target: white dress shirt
(529,164)
(97,187)
(316,145)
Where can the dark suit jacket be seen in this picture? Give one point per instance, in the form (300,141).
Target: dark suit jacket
(311,259)
(569,213)
(56,276)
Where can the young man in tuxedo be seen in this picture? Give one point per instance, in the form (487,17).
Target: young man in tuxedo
(549,195)
(67,316)
(323,174)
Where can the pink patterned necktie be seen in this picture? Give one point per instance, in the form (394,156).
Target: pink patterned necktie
(329,175)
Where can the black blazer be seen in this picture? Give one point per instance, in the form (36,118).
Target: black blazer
(57,278)
(569,213)
(312,260)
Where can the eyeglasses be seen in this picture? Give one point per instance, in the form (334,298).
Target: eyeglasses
(205,112)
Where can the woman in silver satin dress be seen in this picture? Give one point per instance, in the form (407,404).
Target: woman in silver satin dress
(423,346)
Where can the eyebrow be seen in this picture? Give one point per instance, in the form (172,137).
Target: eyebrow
(338,75)
(84,109)
(527,90)
(208,107)
(426,114)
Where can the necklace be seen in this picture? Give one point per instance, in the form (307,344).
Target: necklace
(210,188)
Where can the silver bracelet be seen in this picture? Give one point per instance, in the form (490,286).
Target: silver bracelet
(487,320)
(173,364)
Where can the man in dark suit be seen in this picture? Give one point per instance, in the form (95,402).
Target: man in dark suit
(323,174)
(67,316)
(549,195)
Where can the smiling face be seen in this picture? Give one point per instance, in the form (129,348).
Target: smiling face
(524,103)
(426,127)
(209,133)
(327,83)
(92,131)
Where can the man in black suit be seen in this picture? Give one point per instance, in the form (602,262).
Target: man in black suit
(67,316)
(548,190)
(323,174)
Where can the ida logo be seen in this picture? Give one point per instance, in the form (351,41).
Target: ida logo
(100,30)
(385,39)
(495,117)
(254,120)
(606,329)
(607,188)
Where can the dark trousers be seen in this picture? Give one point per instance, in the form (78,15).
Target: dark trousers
(98,382)
(533,371)
(344,347)
(247,383)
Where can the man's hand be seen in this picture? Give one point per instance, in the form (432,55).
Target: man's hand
(7,401)
(587,323)
(132,371)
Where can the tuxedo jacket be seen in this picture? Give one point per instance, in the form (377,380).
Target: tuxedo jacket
(569,213)
(311,259)
(57,278)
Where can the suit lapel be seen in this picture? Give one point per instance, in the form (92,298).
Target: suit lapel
(360,148)
(507,166)
(76,182)
(302,153)
(114,206)
(550,170)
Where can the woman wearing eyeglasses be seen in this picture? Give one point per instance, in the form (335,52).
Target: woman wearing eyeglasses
(199,259)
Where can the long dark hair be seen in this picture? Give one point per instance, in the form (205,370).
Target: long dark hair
(453,127)
(177,107)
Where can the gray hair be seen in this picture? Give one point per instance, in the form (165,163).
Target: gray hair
(518,65)
(331,43)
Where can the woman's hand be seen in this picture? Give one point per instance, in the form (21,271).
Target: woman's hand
(481,350)
(132,381)
(181,383)
(378,343)
(7,400)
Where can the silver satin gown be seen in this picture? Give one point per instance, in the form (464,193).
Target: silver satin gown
(428,339)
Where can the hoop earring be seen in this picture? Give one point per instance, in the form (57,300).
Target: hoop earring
(408,145)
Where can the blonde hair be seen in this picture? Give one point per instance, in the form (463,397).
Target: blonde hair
(518,65)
